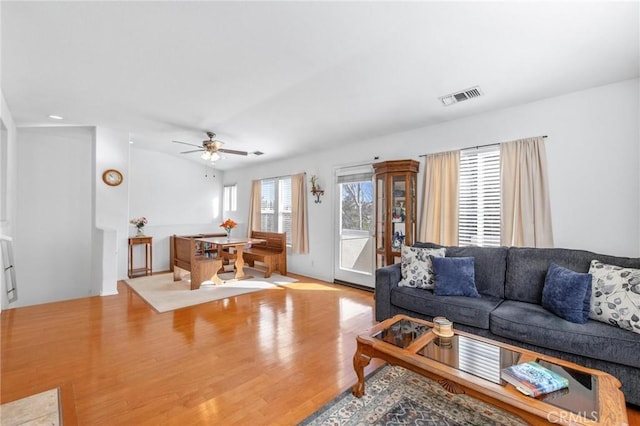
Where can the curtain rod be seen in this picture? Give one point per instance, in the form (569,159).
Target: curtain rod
(279,177)
(476,147)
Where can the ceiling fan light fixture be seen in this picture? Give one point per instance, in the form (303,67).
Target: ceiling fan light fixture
(211,149)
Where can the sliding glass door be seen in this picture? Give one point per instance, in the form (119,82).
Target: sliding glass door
(354,261)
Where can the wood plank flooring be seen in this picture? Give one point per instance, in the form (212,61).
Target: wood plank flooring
(272,357)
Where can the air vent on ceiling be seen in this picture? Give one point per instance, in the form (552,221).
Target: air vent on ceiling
(464,95)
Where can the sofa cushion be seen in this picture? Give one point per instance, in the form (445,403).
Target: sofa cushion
(531,323)
(527,268)
(490,265)
(470,311)
(416,266)
(615,297)
(454,276)
(567,294)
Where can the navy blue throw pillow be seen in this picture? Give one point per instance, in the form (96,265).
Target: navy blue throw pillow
(455,276)
(567,293)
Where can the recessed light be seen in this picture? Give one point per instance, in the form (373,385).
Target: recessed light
(55,117)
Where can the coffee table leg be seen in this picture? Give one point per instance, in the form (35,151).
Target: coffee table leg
(360,361)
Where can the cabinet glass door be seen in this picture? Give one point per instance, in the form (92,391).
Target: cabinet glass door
(398,212)
(381,215)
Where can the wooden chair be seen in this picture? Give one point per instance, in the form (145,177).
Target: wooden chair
(188,257)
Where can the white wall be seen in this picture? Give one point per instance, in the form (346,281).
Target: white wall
(111,209)
(8,176)
(53,228)
(71,235)
(593,168)
(592,149)
(175,196)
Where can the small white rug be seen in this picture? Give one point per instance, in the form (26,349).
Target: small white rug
(39,409)
(161,292)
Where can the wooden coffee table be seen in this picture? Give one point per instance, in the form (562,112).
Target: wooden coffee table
(470,364)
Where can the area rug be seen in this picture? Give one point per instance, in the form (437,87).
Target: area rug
(39,409)
(164,295)
(397,396)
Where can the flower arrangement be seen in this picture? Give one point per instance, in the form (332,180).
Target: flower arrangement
(228,225)
(138,222)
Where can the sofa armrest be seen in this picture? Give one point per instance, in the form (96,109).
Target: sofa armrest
(386,279)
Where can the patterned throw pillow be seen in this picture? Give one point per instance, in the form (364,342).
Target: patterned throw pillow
(416,266)
(615,295)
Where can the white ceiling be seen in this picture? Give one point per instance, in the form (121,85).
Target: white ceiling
(288,77)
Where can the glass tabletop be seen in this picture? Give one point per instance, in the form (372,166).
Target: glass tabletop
(471,356)
(486,360)
(402,333)
(580,397)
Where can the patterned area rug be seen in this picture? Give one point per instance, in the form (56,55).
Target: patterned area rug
(396,396)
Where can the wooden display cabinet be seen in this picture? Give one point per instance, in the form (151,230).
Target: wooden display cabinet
(395,193)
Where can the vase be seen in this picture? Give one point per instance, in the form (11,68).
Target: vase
(140,232)
(228,234)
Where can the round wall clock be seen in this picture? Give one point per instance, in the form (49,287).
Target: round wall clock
(112,177)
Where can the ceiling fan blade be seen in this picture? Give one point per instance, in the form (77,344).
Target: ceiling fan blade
(186,143)
(231,151)
(193,150)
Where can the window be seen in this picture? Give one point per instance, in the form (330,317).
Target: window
(479,197)
(275,205)
(356,200)
(230,198)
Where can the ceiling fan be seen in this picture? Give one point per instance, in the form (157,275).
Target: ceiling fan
(211,148)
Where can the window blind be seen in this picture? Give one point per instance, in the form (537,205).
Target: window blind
(479,197)
(352,174)
(284,204)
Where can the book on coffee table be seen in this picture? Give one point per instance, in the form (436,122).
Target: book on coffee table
(533,379)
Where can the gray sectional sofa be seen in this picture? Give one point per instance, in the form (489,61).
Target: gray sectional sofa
(510,282)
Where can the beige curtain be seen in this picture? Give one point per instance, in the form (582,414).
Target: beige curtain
(439,213)
(299,226)
(254,222)
(526,212)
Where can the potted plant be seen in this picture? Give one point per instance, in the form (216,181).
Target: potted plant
(315,188)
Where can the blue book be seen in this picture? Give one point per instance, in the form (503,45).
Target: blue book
(533,379)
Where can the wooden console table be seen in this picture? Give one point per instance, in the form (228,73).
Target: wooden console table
(148,257)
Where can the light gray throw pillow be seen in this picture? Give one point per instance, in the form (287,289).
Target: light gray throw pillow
(416,266)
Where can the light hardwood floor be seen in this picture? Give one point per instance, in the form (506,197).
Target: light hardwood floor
(271,357)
